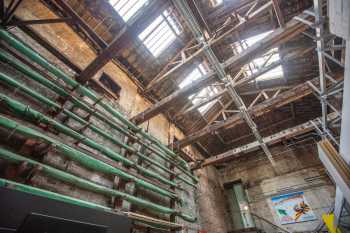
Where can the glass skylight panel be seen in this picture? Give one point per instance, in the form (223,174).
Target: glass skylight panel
(160,33)
(205,93)
(272,74)
(127,8)
(173,23)
(254,66)
(216,2)
(193,76)
(251,40)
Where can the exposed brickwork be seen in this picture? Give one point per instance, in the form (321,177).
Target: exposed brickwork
(298,169)
(130,103)
(211,200)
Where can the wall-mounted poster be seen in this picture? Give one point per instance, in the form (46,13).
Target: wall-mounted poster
(292,208)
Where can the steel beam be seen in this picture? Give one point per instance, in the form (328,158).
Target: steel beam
(279,15)
(202,103)
(185,10)
(284,98)
(2,10)
(40,21)
(338,169)
(321,61)
(63,5)
(127,33)
(270,140)
(101,60)
(274,39)
(14,4)
(172,98)
(163,76)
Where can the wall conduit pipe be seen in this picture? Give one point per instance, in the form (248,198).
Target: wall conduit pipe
(27,112)
(63,93)
(56,196)
(59,197)
(81,157)
(44,100)
(85,184)
(32,93)
(37,58)
(5,57)
(51,195)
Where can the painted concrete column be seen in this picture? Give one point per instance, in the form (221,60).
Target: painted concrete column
(344,149)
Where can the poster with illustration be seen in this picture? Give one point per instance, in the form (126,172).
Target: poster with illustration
(292,208)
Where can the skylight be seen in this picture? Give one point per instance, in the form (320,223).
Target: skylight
(254,66)
(259,62)
(204,94)
(127,8)
(215,3)
(160,33)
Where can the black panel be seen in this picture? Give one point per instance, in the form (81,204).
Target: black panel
(37,223)
(15,206)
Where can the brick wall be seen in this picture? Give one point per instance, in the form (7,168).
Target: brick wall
(298,169)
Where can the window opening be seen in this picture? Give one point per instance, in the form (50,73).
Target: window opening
(160,33)
(110,84)
(202,95)
(127,8)
(268,58)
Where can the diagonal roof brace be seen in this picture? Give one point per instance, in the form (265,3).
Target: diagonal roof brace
(271,139)
(185,10)
(279,36)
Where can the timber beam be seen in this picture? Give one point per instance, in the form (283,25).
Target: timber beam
(127,33)
(165,75)
(40,21)
(171,99)
(202,103)
(2,10)
(269,140)
(64,7)
(278,11)
(274,39)
(269,105)
(10,11)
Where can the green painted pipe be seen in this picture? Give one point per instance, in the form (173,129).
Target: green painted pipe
(81,157)
(23,109)
(85,184)
(26,111)
(82,183)
(81,89)
(72,115)
(60,91)
(60,197)
(5,57)
(51,195)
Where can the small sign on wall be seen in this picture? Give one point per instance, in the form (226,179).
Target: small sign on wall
(292,208)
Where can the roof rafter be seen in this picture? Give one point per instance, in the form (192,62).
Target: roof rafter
(192,22)
(274,39)
(272,139)
(284,98)
(163,76)
(129,31)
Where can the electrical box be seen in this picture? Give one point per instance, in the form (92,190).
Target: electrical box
(339,18)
